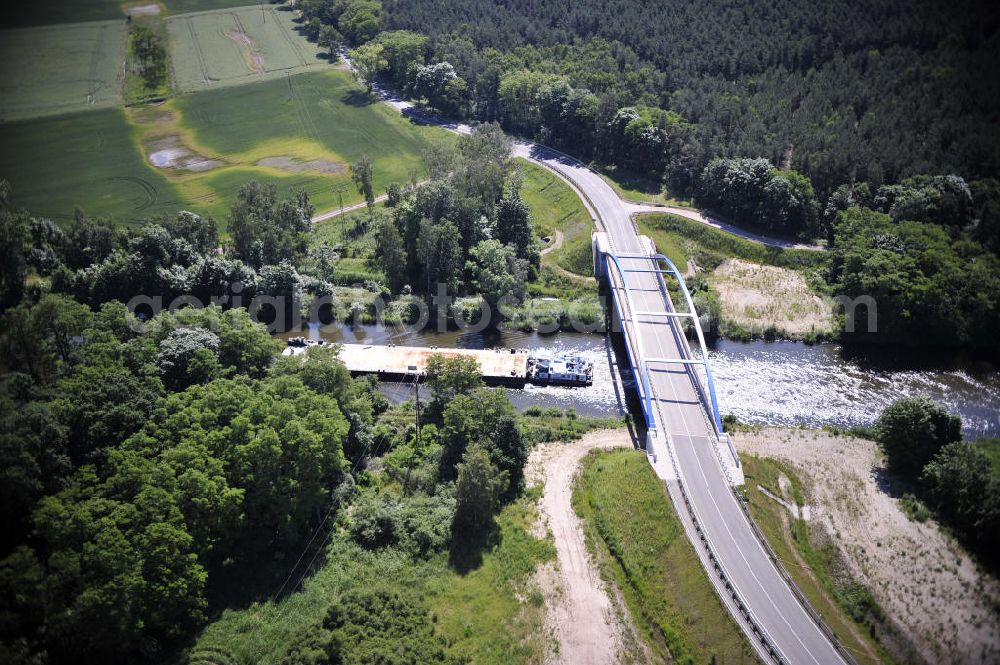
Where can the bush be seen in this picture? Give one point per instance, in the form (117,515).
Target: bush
(375,521)
(912,431)
(370,626)
(960,484)
(914,508)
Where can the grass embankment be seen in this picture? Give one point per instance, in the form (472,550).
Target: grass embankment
(542,424)
(813,563)
(558,211)
(763,291)
(492,615)
(308,127)
(640,543)
(639,188)
(565,293)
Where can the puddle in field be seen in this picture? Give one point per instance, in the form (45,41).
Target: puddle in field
(169,153)
(143,10)
(251,57)
(297,166)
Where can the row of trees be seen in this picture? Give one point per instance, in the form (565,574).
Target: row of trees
(95,262)
(467,228)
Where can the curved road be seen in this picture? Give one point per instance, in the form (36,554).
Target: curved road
(685,438)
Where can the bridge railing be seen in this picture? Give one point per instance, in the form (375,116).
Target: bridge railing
(639,369)
(642,362)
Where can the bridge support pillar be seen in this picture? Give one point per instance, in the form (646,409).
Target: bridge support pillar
(730,460)
(600,245)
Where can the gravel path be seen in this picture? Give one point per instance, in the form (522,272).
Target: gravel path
(588,626)
(556,244)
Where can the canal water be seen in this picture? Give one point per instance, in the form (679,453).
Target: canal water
(777,383)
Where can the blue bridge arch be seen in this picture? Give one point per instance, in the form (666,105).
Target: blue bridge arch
(639,363)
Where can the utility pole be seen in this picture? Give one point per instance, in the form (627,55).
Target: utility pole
(340,194)
(416,392)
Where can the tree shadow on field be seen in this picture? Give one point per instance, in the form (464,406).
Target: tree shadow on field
(466,553)
(357,98)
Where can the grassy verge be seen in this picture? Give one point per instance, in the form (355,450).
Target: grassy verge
(632,529)
(710,247)
(812,561)
(542,424)
(556,208)
(639,188)
(491,615)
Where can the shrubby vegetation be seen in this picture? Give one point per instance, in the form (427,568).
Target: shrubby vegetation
(932,284)
(957,479)
(154,463)
(370,626)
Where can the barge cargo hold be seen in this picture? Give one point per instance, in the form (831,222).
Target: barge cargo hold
(513,368)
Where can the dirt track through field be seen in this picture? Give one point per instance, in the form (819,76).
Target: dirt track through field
(581,617)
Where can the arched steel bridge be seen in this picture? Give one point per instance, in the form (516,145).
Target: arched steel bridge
(685,445)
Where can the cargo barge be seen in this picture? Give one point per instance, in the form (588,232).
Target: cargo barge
(513,368)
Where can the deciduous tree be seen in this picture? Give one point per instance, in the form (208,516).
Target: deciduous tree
(912,431)
(369,60)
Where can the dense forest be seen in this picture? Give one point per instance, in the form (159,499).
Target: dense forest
(842,91)
(782,117)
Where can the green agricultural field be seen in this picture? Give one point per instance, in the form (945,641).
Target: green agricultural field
(86,159)
(60,69)
(231,47)
(300,131)
(631,526)
(52,12)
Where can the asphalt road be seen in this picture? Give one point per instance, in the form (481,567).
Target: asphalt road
(683,420)
(682,416)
